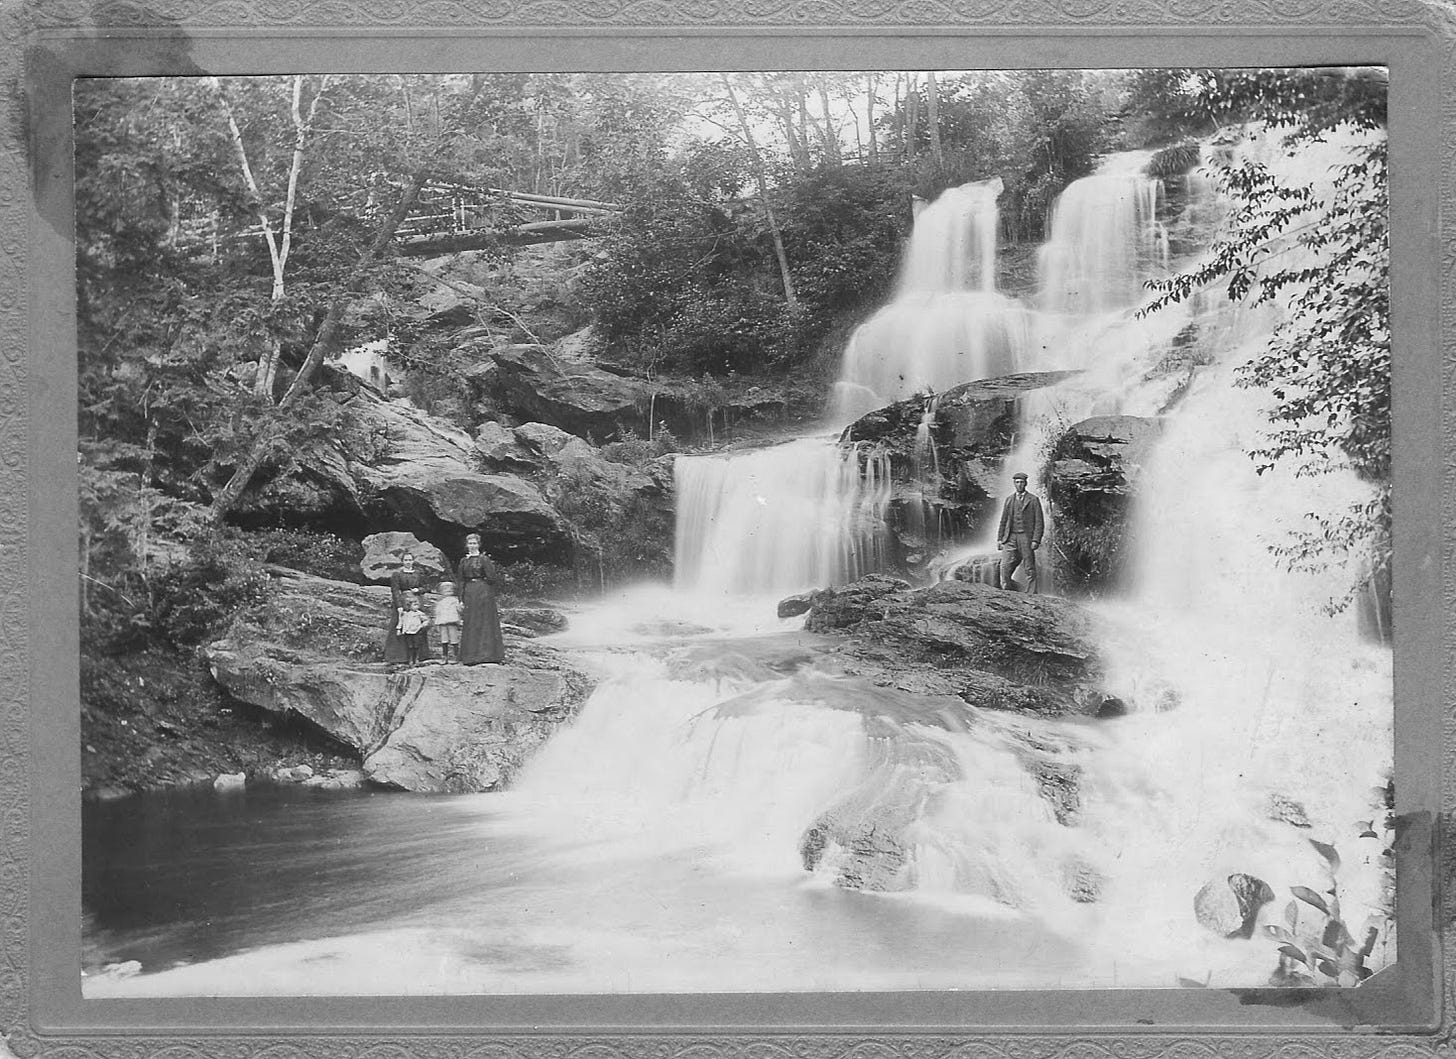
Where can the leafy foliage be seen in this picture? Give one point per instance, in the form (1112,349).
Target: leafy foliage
(310,551)
(1317,947)
(1176,160)
(1325,257)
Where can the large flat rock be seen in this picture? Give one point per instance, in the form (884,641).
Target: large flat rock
(994,649)
(312,651)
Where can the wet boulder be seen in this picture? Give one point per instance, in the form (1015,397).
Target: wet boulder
(390,465)
(424,471)
(1091,483)
(996,650)
(865,841)
(945,454)
(500,450)
(532,383)
(1229,907)
(470,728)
(793,606)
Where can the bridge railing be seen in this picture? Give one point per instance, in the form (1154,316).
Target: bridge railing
(443,210)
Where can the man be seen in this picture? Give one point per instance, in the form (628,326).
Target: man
(1019,535)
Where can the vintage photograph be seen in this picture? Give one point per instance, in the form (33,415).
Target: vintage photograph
(789,531)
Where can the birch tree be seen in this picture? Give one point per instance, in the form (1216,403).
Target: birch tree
(278,233)
(761,173)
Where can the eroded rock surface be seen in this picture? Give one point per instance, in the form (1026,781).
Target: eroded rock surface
(1091,482)
(313,651)
(994,649)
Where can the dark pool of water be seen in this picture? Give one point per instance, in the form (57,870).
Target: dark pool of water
(193,874)
(482,894)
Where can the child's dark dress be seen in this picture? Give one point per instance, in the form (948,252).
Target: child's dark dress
(400,582)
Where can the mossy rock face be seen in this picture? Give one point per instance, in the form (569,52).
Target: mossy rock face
(1091,481)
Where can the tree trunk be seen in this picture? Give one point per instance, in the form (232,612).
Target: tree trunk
(912,115)
(932,117)
(798,152)
(323,342)
(897,125)
(832,151)
(801,105)
(85,569)
(870,117)
(143,543)
(280,242)
(762,170)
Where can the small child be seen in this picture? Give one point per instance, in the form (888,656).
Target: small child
(412,625)
(447,620)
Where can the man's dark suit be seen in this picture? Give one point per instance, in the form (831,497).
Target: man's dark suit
(1018,537)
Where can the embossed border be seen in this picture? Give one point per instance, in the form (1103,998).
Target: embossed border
(1400,1015)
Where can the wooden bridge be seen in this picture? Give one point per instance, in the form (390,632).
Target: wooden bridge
(446,219)
(450,218)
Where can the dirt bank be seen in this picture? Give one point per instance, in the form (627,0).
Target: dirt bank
(155,718)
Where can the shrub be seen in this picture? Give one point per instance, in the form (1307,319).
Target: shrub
(1175,160)
(632,449)
(1316,946)
(310,551)
(194,597)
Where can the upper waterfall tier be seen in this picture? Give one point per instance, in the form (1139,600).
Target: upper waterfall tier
(946,324)
(930,341)
(953,245)
(1105,239)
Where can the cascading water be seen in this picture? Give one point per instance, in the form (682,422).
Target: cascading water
(923,516)
(804,515)
(953,247)
(667,833)
(946,324)
(1216,627)
(1106,239)
(781,519)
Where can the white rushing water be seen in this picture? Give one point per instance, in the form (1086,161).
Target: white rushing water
(667,829)
(782,519)
(1279,704)
(946,324)
(1105,239)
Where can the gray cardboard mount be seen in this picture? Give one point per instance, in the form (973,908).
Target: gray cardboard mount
(1403,1012)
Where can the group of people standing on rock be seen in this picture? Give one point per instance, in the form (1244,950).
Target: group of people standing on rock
(465,612)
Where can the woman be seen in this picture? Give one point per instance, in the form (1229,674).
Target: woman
(480,631)
(408,578)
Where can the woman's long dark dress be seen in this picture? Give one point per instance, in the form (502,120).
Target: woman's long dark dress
(400,582)
(480,631)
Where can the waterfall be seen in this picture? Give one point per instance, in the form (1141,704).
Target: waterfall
(782,519)
(1105,239)
(953,245)
(808,514)
(1247,696)
(1251,696)
(923,516)
(946,323)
